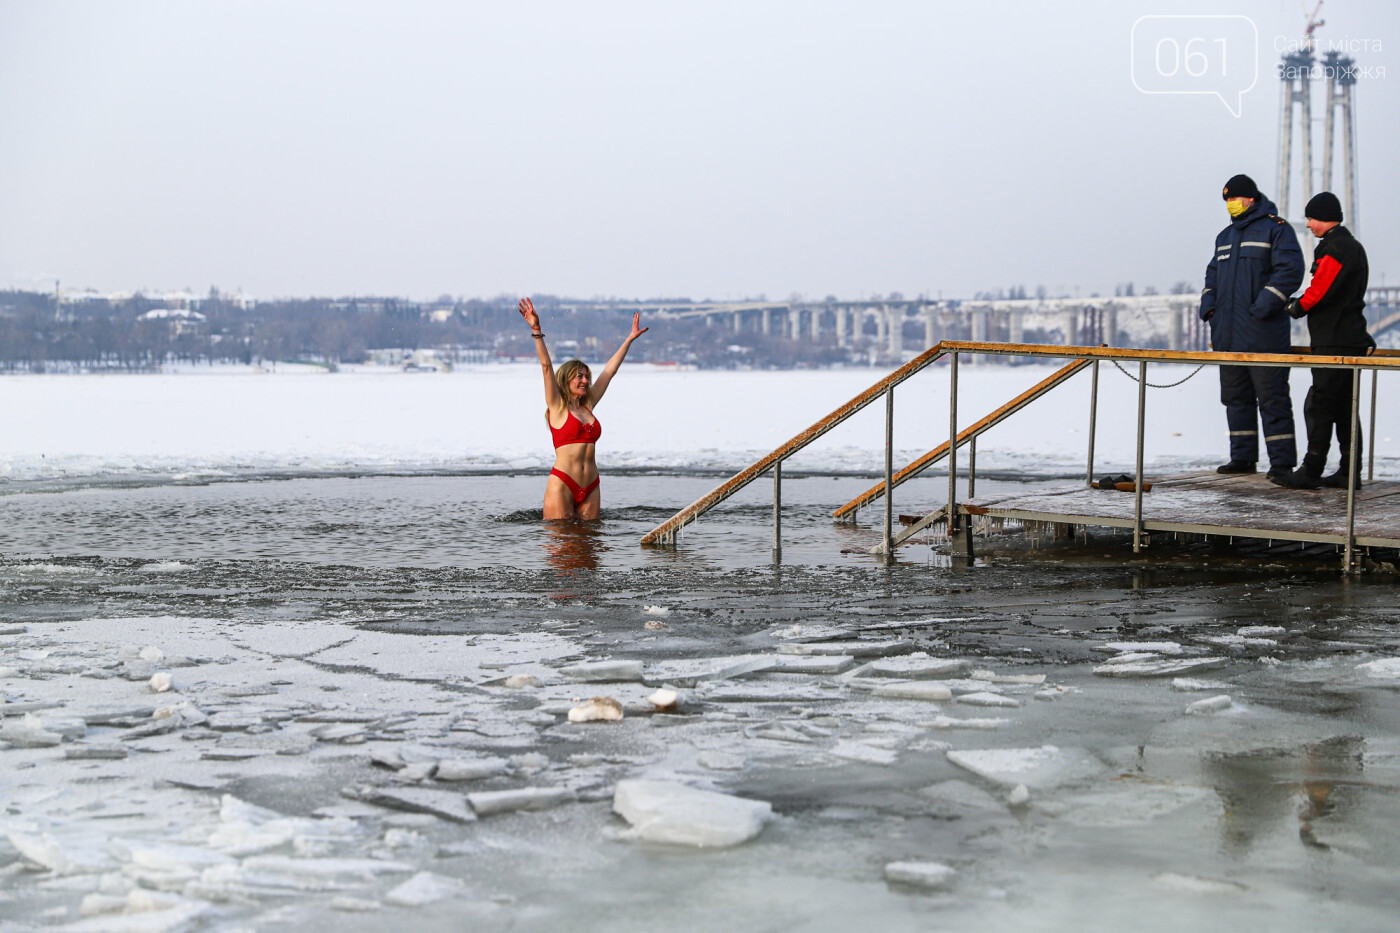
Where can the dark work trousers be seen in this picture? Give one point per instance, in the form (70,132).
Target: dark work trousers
(1328,409)
(1250,393)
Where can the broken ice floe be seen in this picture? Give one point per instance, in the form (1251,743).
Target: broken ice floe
(853,648)
(914,690)
(598,709)
(246,829)
(813,664)
(234,720)
(397,758)
(95,752)
(769,692)
(68,854)
(29,732)
(1209,705)
(866,754)
(670,812)
(1133,647)
(1237,641)
(1020,796)
(957,798)
(469,769)
(424,888)
(1037,768)
(1381,669)
(657,611)
(950,722)
(931,876)
(490,803)
(1134,666)
(1193,685)
(914,667)
(988,699)
(139,912)
(446,804)
(160,682)
(689,672)
(341,733)
(1012,679)
(324,868)
(603,671)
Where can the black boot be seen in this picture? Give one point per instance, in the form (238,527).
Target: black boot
(1338,480)
(1300,478)
(1237,466)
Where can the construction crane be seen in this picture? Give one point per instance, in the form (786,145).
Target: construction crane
(1313,23)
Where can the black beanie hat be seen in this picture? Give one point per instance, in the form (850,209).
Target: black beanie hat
(1240,186)
(1324,206)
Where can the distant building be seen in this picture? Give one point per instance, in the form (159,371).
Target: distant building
(411,361)
(180,319)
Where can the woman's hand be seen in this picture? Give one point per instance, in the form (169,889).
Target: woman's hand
(637,328)
(527,311)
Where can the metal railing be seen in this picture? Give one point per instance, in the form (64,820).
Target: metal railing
(1083,357)
(666,532)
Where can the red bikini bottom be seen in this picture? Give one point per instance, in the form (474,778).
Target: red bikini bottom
(581,493)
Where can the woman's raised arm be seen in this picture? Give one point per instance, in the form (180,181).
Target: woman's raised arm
(600,385)
(551,391)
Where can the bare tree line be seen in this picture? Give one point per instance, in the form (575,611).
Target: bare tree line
(41,333)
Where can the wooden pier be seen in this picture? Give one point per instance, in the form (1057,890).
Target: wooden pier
(1361,516)
(1213,504)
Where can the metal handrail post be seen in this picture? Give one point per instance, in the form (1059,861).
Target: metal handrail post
(952,513)
(889,474)
(1371,451)
(972,468)
(1352,470)
(1093,421)
(1141,420)
(778,510)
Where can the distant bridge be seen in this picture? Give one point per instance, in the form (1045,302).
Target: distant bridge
(893,329)
(1383,309)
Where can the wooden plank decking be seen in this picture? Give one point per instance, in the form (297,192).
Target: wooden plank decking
(1211,503)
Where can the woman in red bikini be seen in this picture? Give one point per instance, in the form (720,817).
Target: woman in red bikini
(572,488)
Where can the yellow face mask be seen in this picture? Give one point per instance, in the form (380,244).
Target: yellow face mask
(1237,206)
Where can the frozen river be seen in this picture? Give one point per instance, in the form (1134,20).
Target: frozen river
(373,648)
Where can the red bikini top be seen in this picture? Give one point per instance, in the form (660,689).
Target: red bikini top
(575,431)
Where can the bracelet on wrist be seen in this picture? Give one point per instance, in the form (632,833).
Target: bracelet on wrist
(533,334)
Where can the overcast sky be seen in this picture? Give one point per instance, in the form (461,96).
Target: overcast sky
(635,149)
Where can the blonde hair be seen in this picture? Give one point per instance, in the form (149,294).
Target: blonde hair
(566,373)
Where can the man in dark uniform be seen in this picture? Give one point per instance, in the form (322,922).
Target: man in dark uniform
(1334,305)
(1256,266)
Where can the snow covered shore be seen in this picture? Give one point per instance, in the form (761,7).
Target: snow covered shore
(239,421)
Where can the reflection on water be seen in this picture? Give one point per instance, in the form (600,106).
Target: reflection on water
(1261,788)
(572,547)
